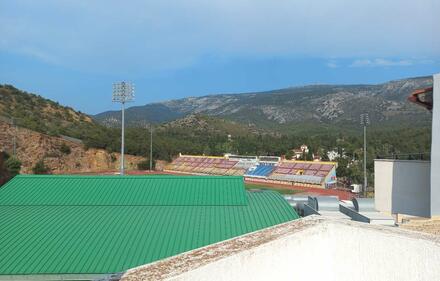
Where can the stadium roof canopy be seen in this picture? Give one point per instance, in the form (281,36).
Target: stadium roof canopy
(83,227)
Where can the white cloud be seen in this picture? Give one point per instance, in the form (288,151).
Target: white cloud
(380,62)
(332,64)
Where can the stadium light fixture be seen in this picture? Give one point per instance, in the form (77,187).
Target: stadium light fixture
(365,121)
(122,92)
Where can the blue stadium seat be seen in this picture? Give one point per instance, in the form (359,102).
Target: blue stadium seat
(261,170)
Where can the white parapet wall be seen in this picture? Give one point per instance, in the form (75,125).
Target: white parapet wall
(402,187)
(312,248)
(435,149)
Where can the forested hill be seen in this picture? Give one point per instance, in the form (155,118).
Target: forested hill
(46,116)
(328,105)
(191,134)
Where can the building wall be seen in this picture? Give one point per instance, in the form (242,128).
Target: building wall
(435,149)
(383,183)
(331,177)
(329,251)
(402,187)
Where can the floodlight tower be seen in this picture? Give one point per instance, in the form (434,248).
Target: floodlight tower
(365,121)
(151,144)
(122,92)
(151,147)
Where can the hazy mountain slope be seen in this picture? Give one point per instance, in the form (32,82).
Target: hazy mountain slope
(316,104)
(142,115)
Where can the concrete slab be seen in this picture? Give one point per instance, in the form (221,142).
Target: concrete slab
(342,250)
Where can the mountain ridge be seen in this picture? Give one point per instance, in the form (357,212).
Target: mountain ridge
(312,104)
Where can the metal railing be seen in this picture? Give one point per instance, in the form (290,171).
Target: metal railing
(407,156)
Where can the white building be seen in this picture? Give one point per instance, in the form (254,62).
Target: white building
(412,187)
(299,152)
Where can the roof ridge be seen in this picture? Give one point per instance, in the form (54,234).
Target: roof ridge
(130,176)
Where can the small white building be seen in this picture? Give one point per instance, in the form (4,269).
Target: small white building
(299,152)
(412,187)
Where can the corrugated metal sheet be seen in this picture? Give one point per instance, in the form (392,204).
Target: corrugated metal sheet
(128,190)
(86,239)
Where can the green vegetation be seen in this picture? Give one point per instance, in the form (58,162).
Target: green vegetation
(145,164)
(64,148)
(46,116)
(10,166)
(40,168)
(250,186)
(199,134)
(13,166)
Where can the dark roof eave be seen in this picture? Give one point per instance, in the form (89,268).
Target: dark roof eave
(422,97)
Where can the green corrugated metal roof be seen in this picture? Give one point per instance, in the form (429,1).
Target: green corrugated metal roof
(86,239)
(117,190)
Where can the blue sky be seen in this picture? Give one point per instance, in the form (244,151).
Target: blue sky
(72,51)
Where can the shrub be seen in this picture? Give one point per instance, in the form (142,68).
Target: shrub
(145,164)
(64,148)
(13,166)
(289,155)
(113,158)
(40,168)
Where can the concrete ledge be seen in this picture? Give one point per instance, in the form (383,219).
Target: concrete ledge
(194,259)
(343,250)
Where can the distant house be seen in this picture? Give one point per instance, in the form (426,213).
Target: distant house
(299,152)
(317,158)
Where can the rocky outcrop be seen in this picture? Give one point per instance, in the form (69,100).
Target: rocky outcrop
(32,147)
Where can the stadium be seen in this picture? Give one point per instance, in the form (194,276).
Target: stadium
(264,169)
(200,222)
(219,140)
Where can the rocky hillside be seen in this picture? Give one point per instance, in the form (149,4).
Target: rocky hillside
(316,104)
(33,147)
(207,125)
(46,116)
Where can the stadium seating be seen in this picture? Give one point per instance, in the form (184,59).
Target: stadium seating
(263,167)
(298,178)
(261,170)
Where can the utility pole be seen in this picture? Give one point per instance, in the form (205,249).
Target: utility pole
(365,121)
(151,147)
(123,92)
(14,139)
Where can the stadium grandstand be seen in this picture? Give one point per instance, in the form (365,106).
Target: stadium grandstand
(271,169)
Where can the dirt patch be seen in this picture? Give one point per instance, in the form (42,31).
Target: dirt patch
(426,226)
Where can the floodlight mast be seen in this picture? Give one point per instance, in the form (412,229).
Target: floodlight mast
(122,92)
(365,121)
(151,147)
